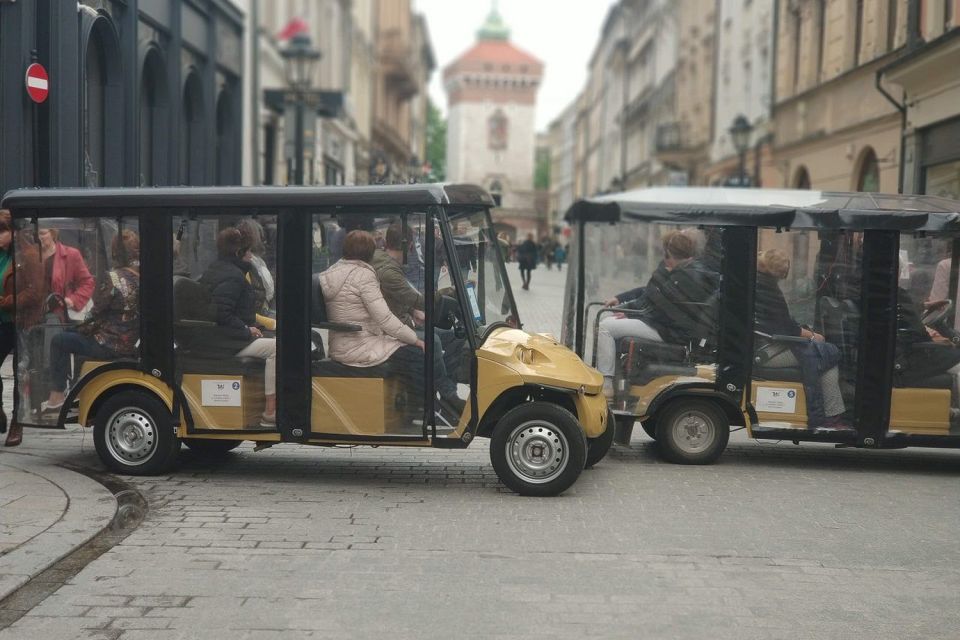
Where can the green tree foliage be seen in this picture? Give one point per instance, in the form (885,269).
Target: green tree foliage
(436,143)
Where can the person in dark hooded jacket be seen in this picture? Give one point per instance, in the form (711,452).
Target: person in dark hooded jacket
(235,308)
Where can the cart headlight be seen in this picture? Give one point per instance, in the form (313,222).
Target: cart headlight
(525,355)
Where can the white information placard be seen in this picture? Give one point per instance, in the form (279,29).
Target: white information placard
(776,400)
(220,393)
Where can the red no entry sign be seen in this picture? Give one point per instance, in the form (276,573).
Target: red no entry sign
(38,83)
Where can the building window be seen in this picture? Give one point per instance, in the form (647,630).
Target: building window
(821,37)
(225,139)
(497,127)
(868,178)
(94,104)
(153,114)
(801,179)
(797,26)
(192,132)
(857,32)
(892,24)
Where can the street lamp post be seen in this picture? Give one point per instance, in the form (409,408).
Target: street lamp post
(740,135)
(299,59)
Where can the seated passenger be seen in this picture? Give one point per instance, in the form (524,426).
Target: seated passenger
(663,304)
(235,302)
(406,303)
(113,328)
(817,360)
(925,362)
(66,274)
(352,294)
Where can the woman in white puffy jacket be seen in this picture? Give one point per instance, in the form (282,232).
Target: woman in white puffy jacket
(351,291)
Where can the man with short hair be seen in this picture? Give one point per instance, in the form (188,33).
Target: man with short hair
(406,302)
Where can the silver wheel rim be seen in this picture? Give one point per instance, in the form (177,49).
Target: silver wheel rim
(693,431)
(131,437)
(537,452)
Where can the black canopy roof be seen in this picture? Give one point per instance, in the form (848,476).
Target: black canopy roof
(802,209)
(385,195)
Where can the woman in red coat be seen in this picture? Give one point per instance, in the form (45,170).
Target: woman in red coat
(65,272)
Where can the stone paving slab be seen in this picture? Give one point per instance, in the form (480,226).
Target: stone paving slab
(46,512)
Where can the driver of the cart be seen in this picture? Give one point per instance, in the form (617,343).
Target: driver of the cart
(668,307)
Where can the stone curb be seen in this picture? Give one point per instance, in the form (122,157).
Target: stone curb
(90,509)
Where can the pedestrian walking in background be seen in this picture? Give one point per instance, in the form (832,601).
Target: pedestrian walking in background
(527,257)
(546,252)
(559,255)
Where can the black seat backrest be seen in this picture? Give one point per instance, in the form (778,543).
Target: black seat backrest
(318,306)
(191,300)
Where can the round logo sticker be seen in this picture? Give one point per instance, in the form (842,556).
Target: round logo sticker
(790,394)
(236,386)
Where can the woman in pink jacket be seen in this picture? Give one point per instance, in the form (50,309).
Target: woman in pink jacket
(352,294)
(65,272)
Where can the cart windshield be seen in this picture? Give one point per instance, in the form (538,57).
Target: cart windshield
(477,256)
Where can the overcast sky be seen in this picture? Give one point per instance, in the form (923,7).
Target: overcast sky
(562,33)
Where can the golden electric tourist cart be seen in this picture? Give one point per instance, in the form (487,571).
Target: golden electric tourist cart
(537,401)
(873,278)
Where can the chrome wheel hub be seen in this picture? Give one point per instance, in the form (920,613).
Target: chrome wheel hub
(537,452)
(131,436)
(694,432)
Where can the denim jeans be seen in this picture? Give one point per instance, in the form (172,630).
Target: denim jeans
(815,358)
(62,346)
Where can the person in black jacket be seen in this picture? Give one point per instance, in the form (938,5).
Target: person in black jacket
(527,258)
(673,304)
(235,304)
(817,359)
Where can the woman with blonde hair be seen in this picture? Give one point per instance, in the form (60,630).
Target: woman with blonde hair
(817,359)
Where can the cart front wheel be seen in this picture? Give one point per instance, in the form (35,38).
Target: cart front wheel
(692,431)
(538,449)
(133,435)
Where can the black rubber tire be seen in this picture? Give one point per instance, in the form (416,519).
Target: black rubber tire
(553,419)
(597,448)
(211,447)
(670,431)
(161,435)
(650,428)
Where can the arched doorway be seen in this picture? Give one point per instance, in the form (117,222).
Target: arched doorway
(801,179)
(868,175)
(154,111)
(102,106)
(226,155)
(192,148)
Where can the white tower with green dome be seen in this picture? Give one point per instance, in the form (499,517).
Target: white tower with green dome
(491,131)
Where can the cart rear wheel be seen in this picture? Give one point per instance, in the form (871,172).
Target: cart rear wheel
(692,431)
(538,449)
(211,447)
(598,447)
(133,434)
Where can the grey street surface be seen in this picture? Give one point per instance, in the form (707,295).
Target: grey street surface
(774,541)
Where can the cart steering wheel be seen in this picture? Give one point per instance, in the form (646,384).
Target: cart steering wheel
(937,314)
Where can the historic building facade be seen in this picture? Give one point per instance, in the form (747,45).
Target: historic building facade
(404,63)
(491,137)
(142,92)
(743,86)
(833,130)
(928,77)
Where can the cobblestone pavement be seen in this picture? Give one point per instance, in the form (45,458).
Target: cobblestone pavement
(774,541)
